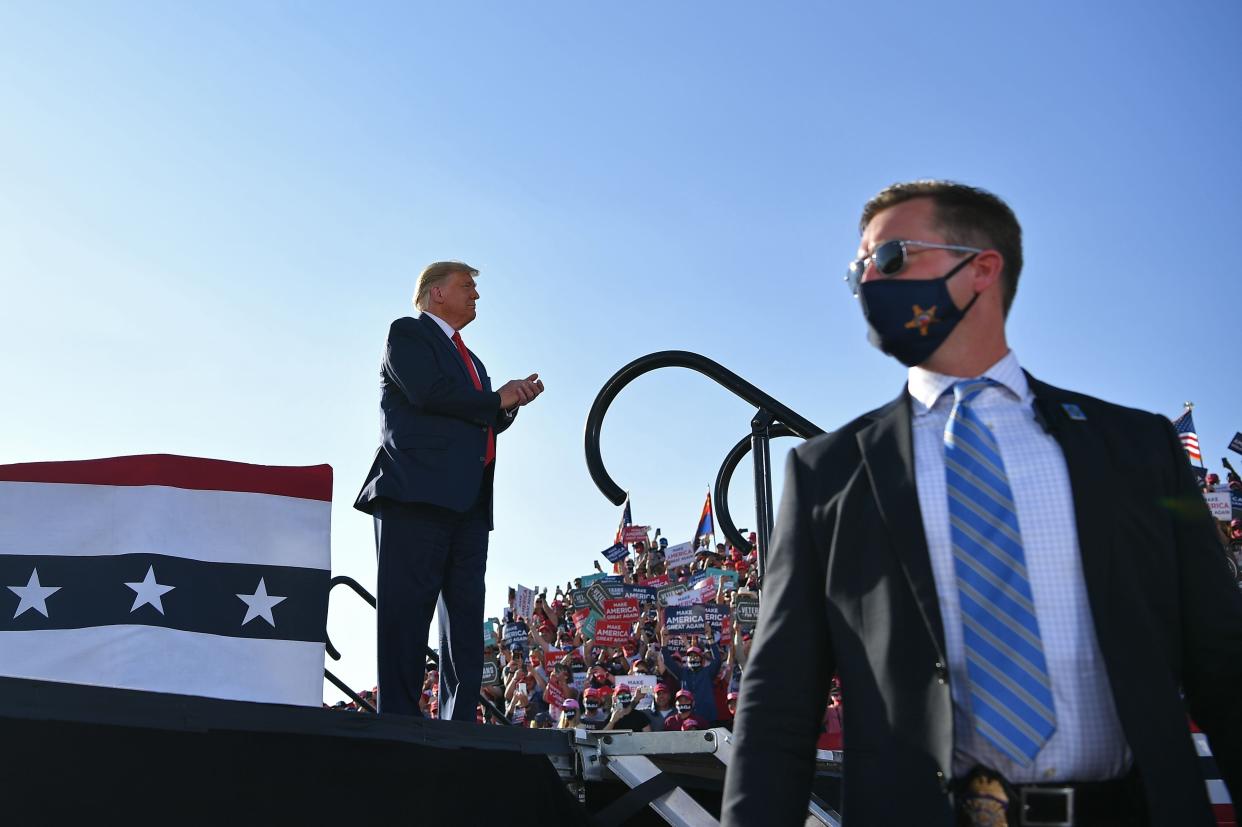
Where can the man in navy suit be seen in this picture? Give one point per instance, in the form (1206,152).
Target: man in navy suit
(430,493)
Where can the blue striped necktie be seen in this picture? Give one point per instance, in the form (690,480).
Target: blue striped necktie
(1010,694)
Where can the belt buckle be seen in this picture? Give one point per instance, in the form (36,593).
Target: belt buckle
(1064,794)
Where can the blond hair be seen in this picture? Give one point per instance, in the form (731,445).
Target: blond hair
(434,274)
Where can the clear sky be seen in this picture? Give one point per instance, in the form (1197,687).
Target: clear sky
(210,213)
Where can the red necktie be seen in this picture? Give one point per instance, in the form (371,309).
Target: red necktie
(478,386)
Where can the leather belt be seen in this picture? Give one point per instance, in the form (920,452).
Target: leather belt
(1072,804)
(1057,804)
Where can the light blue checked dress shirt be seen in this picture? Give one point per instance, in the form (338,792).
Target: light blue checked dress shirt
(1088,743)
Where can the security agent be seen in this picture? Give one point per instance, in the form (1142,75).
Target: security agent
(1020,645)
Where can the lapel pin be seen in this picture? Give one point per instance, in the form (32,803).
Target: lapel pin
(1073,412)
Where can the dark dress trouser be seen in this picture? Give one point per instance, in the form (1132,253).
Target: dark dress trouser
(430,557)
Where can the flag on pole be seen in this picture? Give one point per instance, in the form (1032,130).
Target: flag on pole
(626,519)
(706,528)
(1185,427)
(167,574)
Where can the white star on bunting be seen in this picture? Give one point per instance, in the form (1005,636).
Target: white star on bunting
(33,595)
(260,604)
(149,592)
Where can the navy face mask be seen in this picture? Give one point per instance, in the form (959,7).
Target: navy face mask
(910,318)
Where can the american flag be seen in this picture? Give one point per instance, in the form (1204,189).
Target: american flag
(1185,427)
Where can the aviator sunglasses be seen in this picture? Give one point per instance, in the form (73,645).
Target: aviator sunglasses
(890,259)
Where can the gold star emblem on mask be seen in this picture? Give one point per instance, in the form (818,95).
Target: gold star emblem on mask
(923,319)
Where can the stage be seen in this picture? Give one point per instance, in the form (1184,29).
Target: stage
(88,754)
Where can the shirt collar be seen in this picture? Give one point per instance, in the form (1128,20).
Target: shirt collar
(443,325)
(927,386)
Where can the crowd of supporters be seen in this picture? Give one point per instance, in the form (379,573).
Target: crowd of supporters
(1231,530)
(548,671)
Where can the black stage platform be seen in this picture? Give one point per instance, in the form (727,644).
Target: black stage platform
(83,754)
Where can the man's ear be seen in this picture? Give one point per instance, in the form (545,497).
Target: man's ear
(988,267)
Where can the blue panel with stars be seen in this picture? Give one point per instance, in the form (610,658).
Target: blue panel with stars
(232,599)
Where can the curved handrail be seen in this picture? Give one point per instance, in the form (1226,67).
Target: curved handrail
(795,422)
(721,489)
(343,580)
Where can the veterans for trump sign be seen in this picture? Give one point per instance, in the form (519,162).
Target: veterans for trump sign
(746,611)
(167,574)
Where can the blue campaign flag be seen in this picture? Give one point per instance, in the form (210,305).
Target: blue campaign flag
(1235,444)
(615,553)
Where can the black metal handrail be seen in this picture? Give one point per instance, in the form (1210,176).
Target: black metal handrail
(343,580)
(720,491)
(773,418)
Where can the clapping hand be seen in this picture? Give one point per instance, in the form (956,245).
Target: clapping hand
(517,392)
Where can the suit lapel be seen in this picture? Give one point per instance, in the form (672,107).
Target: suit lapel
(888,453)
(437,335)
(1087,462)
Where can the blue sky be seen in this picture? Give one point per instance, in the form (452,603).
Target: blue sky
(210,213)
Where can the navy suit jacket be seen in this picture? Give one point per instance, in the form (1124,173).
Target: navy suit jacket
(435,423)
(849,590)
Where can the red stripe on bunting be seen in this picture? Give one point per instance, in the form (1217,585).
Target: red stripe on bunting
(311,482)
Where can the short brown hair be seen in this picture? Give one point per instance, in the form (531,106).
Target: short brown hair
(435,273)
(964,215)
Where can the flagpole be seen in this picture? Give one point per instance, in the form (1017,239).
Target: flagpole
(710,510)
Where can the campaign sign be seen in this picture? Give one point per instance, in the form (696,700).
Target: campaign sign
(665,592)
(640,593)
(585,619)
(689,597)
(726,574)
(491,672)
(588,579)
(516,634)
(579,598)
(615,553)
(621,608)
(553,696)
(717,614)
(1220,504)
(681,554)
(655,582)
(634,533)
(489,631)
(746,610)
(676,643)
(635,683)
(684,619)
(1235,499)
(524,604)
(596,595)
(579,680)
(612,632)
(1235,444)
(614,588)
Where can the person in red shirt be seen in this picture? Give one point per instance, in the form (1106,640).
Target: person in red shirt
(830,736)
(683,720)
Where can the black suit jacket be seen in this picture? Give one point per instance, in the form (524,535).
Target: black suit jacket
(435,423)
(849,589)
